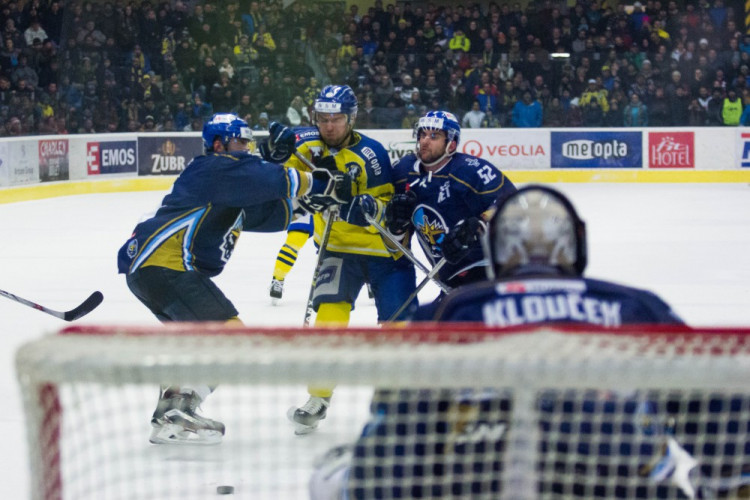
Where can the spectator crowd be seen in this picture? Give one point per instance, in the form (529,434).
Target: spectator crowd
(72,66)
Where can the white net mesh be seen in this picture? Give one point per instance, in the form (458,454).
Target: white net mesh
(451,411)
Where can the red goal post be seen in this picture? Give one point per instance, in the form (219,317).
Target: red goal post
(580,412)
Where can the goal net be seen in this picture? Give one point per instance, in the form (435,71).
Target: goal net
(434,411)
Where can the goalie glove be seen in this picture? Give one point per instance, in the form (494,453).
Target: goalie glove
(457,243)
(328,188)
(399,211)
(280,144)
(356,211)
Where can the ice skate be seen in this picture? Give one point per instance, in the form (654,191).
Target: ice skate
(176,421)
(370,293)
(277,290)
(307,417)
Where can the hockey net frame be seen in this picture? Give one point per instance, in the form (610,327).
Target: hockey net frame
(713,362)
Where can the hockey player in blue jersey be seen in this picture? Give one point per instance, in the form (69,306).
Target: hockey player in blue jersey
(421,444)
(170,258)
(444,197)
(536,256)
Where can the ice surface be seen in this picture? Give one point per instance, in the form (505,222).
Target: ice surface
(688,243)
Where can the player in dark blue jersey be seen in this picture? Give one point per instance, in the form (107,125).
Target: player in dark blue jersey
(171,256)
(444,197)
(536,255)
(442,443)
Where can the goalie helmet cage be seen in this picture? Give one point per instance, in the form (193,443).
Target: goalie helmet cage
(453,411)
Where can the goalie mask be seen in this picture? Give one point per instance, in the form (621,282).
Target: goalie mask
(536,226)
(225,126)
(439,120)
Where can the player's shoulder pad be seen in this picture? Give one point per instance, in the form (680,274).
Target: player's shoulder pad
(369,146)
(403,166)
(476,174)
(648,299)
(375,156)
(468,163)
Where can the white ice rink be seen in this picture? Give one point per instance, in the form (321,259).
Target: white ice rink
(689,243)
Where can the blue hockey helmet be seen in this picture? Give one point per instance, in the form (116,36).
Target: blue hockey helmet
(535,226)
(334,99)
(225,126)
(440,120)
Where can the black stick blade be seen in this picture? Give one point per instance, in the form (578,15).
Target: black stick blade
(86,307)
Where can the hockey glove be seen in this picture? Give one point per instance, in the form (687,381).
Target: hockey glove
(325,163)
(280,144)
(461,238)
(356,211)
(328,188)
(398,212)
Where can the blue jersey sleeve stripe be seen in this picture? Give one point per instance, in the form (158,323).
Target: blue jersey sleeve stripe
(293,178)
(189,222)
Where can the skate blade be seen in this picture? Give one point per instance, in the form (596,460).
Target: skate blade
(300,429)
(275,301)
(176,434)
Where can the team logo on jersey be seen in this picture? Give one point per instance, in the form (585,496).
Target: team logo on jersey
(445,192)
(354,170)
(132,248)
(430,227)
(231,237)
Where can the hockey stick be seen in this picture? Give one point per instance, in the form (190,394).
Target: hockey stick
(430,276)
(86,306)
(387,234)
(333,212)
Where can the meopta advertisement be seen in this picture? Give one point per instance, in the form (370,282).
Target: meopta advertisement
(167,155)
(586,149)
(115,157)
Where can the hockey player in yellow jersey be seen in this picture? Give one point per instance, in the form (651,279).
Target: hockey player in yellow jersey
(356,252)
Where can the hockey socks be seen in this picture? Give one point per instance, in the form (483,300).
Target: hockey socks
(287,256)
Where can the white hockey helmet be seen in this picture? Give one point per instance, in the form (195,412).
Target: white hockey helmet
(536,226)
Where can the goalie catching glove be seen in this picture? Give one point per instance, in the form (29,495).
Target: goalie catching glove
(463,236)
(399,211)
(328,188)
(280,144)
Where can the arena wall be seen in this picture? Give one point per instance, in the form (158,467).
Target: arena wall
(47,166)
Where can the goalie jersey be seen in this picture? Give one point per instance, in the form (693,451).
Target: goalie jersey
(369,166)
(438,443)
(525,299)
(215,198)
(465,187)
